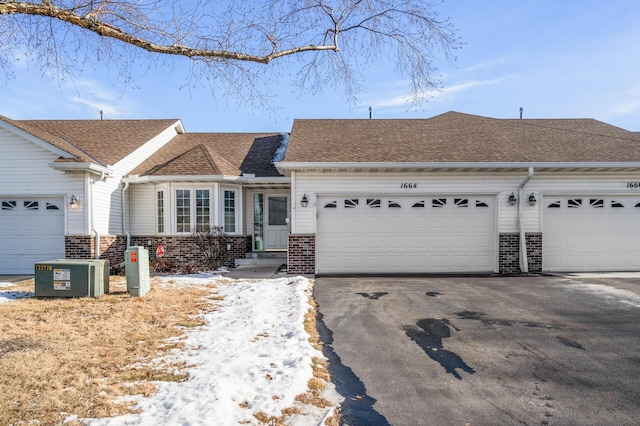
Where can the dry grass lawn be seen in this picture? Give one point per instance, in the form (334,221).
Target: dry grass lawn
(60,356)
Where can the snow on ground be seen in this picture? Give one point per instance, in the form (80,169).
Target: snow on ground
(252,356)
(623,296)
(8,295)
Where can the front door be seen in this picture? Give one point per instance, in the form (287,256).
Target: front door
(276,222)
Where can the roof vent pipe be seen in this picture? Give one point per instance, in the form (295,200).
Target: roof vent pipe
(102,115)
(521,111)
(370,112)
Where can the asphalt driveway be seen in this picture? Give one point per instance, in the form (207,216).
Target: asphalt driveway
(484,350)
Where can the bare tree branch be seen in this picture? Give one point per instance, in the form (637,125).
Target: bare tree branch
(332,39)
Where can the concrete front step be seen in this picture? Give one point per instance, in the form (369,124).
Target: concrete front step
(276,258)
(266,255)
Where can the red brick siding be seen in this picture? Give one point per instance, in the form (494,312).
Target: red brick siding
(181,251)
(112,247)
(509,253)
(302,254)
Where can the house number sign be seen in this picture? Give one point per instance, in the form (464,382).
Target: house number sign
(633,185)
(408,185)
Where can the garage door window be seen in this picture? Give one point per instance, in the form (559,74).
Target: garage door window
(51,206)
(331,205)
(9,205)
(461,202)
(574,203)
(31,205)
(617,204)
(596,203)
(438,202)
(373,203)
(351,203)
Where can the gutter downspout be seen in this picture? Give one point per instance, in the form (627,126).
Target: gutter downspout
(96,244)
(125,225)
(524,262)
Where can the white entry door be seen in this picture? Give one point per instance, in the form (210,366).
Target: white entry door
(276,222)
(428,234)
(591,233)
(31,230)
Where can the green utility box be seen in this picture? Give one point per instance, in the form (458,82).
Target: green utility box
(136,262)
(72,278)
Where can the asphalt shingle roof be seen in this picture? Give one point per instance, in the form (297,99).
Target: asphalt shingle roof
(103,142)
(214,154)
(456,137)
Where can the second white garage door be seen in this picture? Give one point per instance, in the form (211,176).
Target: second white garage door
(591,233)
(430,234)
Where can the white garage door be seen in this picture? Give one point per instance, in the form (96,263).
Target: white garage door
(591,233)
(31,230)
(435,234)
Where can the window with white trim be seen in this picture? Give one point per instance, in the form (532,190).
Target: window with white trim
(160,211)
(203,210)
(193,210)
(229,210)
(183,210)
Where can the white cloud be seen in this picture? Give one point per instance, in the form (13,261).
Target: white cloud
(91,95)
(446,93)
(32,95)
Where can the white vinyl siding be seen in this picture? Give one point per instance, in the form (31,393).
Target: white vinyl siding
(135,158)
(29,164)
(141,207)
(318,184)
(107,202)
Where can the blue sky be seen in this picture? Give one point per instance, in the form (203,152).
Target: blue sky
(556,59)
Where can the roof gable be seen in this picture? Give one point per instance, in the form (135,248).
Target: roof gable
(455,137)
(103,142)
(198,154)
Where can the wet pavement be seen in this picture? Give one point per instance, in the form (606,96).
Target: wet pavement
(536,350)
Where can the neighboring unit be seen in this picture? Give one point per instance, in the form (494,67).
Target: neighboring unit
(459,193)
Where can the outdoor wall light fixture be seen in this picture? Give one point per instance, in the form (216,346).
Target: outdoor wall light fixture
(74,203)
(532,199)
(304,201)
(512,199)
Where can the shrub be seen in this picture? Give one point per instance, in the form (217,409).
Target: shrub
(212,244)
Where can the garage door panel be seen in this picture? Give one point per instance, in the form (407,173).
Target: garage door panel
(30,232)
(445,238)
(370,261)
(601,235)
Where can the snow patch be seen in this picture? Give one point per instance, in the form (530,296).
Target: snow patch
(251,356)
(282,149)
(9,296)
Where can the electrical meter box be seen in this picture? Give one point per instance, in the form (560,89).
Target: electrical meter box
(136,262)
(71,278)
